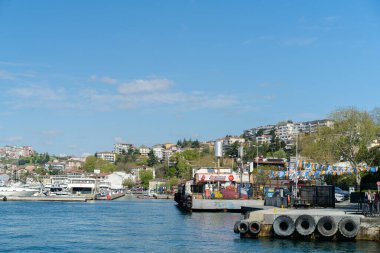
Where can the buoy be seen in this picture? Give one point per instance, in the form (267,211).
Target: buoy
(327,226)
(283,226)
(108,197)
(305,225)
(243,227)
(348,227)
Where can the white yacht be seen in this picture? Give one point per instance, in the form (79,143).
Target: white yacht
(15,191)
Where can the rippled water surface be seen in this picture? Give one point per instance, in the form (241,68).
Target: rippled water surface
(129,225)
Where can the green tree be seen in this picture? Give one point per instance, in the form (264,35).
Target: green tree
(279,153)
(152,159)
(232,150)
(93,163)
(260,132)
(352,130)
(145,177)
(129,183)
(182,166)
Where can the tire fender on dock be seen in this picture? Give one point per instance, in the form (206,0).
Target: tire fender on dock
(236,227)
(255,227)
(327,226)
(283,226)
(348,227)
(305,225)
(243,227)
(188,204)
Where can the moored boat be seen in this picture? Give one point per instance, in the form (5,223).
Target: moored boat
(13,191)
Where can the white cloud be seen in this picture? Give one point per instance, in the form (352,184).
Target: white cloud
(52,132)
(269,97)
(39,92)
(104,79)
(13,64)
(138,86)
(14,138)
(5,75)
(118,139)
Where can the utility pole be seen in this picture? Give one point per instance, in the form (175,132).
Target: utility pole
(296,170)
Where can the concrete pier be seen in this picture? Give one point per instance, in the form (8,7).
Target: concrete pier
(224,205)
(46,198)
(360,227)
(111,196)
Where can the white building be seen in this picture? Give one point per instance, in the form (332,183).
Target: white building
(116,179)
(108,156)
(263,139)
(75,163)
(118,148)
(144,151)
(229,140)
(158,151)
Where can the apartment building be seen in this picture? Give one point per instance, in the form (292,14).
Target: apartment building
(144,151)
(286,131)
(158,151)
(118,148)
(108,156)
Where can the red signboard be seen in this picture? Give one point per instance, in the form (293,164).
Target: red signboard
(231,178)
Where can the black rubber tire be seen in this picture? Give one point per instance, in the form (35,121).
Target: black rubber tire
(305,225)
(327,226)
(254,227)
(243,227)
(348,227)
(283,226)
(188,204)
(236,227)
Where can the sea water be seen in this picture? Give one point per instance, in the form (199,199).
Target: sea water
(131,225)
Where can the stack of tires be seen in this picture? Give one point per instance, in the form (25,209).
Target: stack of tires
(245,227)
(305,226)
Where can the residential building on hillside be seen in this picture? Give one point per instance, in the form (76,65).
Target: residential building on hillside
(108,156)
(15,152)
(262,139)
(118,148)
(50,166)
(158,151)
(75,163)
(136,171)
(286,131)
(144,151)
(166,154)
(169,145)
(229,140)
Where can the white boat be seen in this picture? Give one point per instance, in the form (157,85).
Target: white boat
(13,191)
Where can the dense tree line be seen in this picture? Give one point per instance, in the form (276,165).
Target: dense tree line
(188,143)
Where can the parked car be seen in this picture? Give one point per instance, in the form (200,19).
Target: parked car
(339,197)
(345,194)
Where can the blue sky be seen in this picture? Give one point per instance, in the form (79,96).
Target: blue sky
(78,76)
